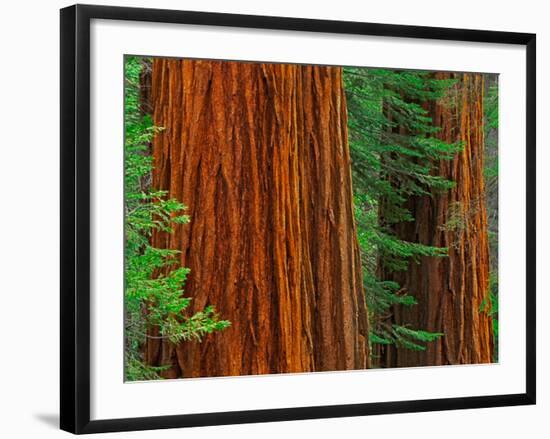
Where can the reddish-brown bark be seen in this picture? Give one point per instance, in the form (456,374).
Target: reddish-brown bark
(452,292)
(259,154)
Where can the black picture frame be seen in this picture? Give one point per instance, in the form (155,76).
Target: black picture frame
(75,217)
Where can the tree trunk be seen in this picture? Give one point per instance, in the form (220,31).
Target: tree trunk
(452,292)
(259,154)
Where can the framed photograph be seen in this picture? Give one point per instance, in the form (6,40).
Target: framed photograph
(267,219)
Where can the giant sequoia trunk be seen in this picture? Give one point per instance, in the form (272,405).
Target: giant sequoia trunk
(259,154)
(452,292)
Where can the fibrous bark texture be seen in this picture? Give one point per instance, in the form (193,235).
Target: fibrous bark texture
(259,154)
(452,292)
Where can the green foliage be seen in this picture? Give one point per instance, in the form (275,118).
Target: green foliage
(493,311)
(491,195)
(491,106)
(403,337)
(390,135)
(394,153)
(490,103)
(154,279)
(410,338)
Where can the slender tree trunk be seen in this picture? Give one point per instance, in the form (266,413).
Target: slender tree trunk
(145,100)
(259,154)
(452,292)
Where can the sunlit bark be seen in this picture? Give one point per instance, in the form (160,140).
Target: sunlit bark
(259,154)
